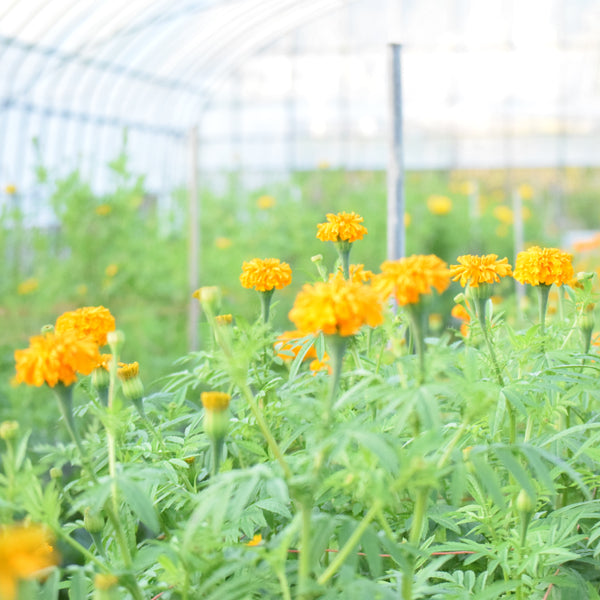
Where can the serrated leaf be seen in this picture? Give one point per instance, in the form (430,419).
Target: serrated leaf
(139,503)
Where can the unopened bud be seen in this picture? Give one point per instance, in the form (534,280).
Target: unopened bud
(525,503)
(106,587)
(9,430)
(115,339)
(56,473)
(93,520)
(209,297)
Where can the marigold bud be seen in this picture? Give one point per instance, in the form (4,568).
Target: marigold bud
(9,430)
(92,520)
(525,503)
(115,339)
(56,473)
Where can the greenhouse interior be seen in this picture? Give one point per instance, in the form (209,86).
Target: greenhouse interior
(240,409)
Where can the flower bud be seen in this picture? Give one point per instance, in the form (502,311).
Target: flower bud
(525,503)
(224,319)
(56,473)
(209,297)
(9,430)
(106,587)
(216,414)
(92,520)
(115,339)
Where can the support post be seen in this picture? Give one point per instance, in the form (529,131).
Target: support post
(396,238)
(193,242)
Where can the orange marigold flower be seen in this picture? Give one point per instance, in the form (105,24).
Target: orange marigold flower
(289,343)
(461,313)
(321,365)
(89,321)
(544,266)
(256,540)
(128,371)
(411,277)
(343,227)
(25,550)
(265,275)
(358,273)
(56,357)
(215,401)
(474,270)
(336,307)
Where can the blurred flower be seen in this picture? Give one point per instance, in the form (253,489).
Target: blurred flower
(462,314)
(407,219)
(11,189)
(28,286)
(222,243)
(289,343)
(544,266)
(265,275)
(467,188)
(412,277)
(323,165)
(81,289)
(136,201)
(504,214)
(321,365)
(56,357)
(224,319)
(343,227)
(526,213)
(588,244)
(209,296)
(439,205)
(475,270)
(103,209)
(25,551)
(89,321)
(9,430)
(358,273)
(111,270)
(265,202)
(435,321)
(215,401)
(338,306)
(255,541)
(525,191)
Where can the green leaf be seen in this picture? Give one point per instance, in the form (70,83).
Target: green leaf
(506,457)
(78,589)
(139,503)
(371,547)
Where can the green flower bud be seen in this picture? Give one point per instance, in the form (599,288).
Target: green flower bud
(93,521)
(9,430)
(56,473)
(525,503)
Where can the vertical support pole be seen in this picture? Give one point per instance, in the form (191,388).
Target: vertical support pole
(193,242)
(396,239)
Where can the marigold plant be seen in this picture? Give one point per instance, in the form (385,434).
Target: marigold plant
(343,227)
(336,307)
(89,321)
(56,357)
(410,278)
(475,270)
(265,274)
(215,401)
(25,550)
(544,266)
(358,273)
(288,345)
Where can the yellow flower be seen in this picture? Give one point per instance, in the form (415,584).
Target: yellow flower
(103,209)
(224,319)
(25,551)
(111,270)
(255,541)
(407,219)
(504,214)
(128,371)
(11,189)
(474,270)
(544,266)
(56,357)
(525,191)
(105,581)
(265,275)
(265,202)
(28,286)
(289,343)
(343,227)
(461,313)
(323,165)
(358,273)
(215,401)
(222,243)
(412,277)
(321,365)
(439,205)
(88,321)
(435,321)
(336,307)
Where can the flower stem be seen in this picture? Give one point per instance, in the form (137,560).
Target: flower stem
(543,293)
(265,304)
(336,344)
(480,310)
(415,314)
(304,560)
(416,528)
(350,544)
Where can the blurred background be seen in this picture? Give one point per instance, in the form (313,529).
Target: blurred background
(149,147)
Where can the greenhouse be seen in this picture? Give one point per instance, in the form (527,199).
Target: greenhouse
(298,299)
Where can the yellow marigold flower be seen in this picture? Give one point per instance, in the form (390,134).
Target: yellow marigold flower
(265,275)
(28,286)
(103,209)
(111,270)
(321,365)
(25,550)
(289,343)
(544,266)
(56,357)
(358,273)
(222,243)
(215,401)
(265,202)
(461,313)
(11,189)
(525,191)
(224,319)
(474,270)
(105,581)
(255,541)
(128,371)
(343,227)
(89,321)
(439,205)
(336,307)
(412,277)
(504,214)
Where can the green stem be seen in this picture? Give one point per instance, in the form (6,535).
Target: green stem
(304,560)
(284,584)
(217,450)
(349,546)
(415,314)
(58,531)
(480,310)
(336,344)
(416,528)
(444,458)
(543,293)
(343,249)
(265,304)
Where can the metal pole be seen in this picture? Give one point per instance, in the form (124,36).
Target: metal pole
(396,239)
(193,242)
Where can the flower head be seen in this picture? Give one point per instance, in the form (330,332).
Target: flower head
(439,205)
(474,270)
(56,357)
(544,266)
(265,202)
(103,209)
(265,274)
(89,321)
(28,286)
(288,345)
(358,273)
(336,307)
(215,401)
(343,227)
(25,550)
(222,243)
(128,371)
(412,277)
